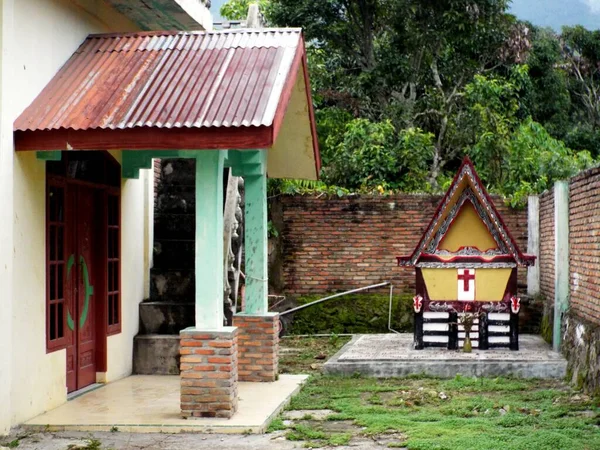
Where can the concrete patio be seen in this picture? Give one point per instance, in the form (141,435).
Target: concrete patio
(150,404)
(392,355)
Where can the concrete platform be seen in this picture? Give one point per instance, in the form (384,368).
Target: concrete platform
(392,355)
(150,404)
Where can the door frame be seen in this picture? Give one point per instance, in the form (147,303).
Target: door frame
(99,307)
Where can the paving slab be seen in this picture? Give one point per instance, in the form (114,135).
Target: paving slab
(150,404)
(393,355)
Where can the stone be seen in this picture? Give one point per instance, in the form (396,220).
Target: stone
(316,414)
(391,355)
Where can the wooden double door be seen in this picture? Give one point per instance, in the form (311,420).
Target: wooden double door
(83,261)
(83,236)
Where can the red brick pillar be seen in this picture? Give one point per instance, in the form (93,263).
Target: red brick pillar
(258,346)
(209,375)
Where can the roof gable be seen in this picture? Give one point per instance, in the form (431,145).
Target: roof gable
(466,188)
(468,229)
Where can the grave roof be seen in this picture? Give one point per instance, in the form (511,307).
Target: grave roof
(466,190)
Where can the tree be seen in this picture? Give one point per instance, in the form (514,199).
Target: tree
(238,9)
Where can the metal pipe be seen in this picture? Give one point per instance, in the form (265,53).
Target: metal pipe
(294,336)
(390,311)
(298,308)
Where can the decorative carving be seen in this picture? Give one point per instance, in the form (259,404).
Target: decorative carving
(441,307)
(461,265)
(469,251)
(494,307)
(417,303)
(515,304)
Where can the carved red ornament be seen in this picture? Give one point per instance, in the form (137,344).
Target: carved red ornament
(515,304)
(417,303)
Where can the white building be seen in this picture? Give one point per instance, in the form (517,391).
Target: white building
(61,228)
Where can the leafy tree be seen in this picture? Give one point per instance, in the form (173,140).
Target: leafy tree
(402,89)
(516,158)
(238,9)
(372,154)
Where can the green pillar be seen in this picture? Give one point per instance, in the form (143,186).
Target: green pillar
(255,191)
(209,240)
(561,258)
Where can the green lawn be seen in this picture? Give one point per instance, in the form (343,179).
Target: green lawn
(458,414)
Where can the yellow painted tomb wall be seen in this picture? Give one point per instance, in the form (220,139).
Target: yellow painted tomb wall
(490,284)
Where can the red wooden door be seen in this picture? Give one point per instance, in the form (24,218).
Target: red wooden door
(82,234)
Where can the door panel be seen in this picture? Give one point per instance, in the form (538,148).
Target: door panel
(83,228)
(86,255)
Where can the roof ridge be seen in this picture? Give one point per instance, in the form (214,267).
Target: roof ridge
(132,34)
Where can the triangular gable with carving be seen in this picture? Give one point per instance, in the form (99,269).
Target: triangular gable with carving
(466,205)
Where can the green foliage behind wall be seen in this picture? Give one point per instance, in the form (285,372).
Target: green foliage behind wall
(358,313)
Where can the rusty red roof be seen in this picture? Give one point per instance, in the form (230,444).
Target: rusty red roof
(168,80)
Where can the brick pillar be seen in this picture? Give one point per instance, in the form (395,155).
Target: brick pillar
(258,348)
(209,375)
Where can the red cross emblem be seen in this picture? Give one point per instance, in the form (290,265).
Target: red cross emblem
(466,284)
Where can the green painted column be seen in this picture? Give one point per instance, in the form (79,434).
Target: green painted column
(209,239)
(255,192)
(561,258)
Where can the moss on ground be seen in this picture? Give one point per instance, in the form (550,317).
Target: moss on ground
(356,313)
(306,355)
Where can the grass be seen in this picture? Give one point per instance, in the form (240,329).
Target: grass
(308,354)
(433,414)
(472,414)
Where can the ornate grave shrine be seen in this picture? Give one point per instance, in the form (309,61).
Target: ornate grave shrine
(466,272)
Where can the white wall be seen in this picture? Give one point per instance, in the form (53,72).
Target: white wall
(6,221)
(44,35)
(134,266)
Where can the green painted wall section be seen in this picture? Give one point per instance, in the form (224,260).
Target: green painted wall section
(209,239)
(250,164)
(49,155)
(561,255)
(257,284)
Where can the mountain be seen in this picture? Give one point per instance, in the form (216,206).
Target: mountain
(558,13)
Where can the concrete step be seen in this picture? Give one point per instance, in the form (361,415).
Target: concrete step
(178,286)
(165,318)
(155,354)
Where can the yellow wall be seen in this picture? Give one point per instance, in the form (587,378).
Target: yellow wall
(292,155)
(490,284)
(468,230)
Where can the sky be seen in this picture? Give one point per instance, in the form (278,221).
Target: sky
(216,6)
(557,13)
(546,13)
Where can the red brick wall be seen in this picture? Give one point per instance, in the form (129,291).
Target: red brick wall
(546,262)
(584,245)
(336,244)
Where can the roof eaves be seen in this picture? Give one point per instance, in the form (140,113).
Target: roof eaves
(165,14)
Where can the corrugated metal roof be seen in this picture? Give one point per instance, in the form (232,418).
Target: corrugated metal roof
(232,78)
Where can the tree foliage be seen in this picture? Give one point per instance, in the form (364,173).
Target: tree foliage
(403,89)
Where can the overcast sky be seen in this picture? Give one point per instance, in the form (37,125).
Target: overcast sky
(556,13)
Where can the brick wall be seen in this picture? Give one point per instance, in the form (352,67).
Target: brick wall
(336,244)
(584,245)
(546,261)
